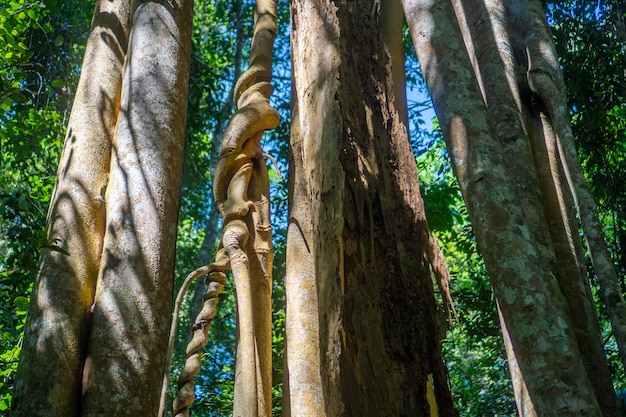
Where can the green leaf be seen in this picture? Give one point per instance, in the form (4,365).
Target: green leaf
(4,403)
(21,303)
(6,103)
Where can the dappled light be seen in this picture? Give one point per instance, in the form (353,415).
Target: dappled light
(134,290)
(64,291)
(511,213)
(241,193)
(272,150)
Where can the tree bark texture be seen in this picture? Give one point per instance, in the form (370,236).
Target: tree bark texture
(502,196)
(391,16)
(525,406)
(499,54)
(546,82)
(55,341)
(302,382)
(377,310)
(131,313)
(569,264)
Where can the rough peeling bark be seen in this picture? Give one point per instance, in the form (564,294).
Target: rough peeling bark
(56,333)
(376,302)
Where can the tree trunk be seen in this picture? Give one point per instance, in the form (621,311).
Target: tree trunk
(532,307)
(524,403)
(390,15)
(55,341)
(377,311)
(569,263)
(302,382)
(496,48)
(131,314)
(545,81)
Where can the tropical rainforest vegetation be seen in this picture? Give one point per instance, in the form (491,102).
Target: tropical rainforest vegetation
(42,44)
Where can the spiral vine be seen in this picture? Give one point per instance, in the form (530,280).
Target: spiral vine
(241,193)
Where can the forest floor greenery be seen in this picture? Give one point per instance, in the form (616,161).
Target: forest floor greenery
(42,42)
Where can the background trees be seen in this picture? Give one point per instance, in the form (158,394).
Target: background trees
(37,90)
(39,75)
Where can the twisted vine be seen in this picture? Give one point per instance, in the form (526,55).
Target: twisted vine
(241,193)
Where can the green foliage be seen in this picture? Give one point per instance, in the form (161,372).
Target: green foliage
(33,110)
(419,106)
(591,43)
(594,64)
(41,42)
(474,349)
(17,20)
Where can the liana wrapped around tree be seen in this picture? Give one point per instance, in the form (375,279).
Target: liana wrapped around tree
(241,192)
(367,292)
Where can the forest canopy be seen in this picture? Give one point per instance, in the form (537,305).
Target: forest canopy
(43,43)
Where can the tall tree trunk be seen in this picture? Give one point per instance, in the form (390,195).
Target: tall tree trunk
(524,403)
(545,81)
(391,18)
(533,309)
(376,301)
(569,265)
(494,43)
(131,313)
(302,383)
(55,341)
